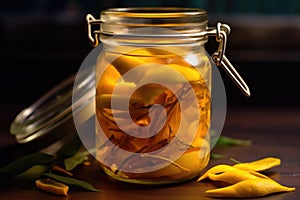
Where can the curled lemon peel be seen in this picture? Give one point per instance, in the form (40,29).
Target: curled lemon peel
(249,188)
(245,179)
(235,176)
(52,186)
(259,165)
(215,170)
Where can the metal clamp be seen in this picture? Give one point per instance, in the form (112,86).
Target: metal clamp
(93,36)
(221,32)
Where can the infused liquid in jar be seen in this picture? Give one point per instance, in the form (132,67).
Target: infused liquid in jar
(178,149)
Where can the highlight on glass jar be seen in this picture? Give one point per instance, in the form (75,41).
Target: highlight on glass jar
(154,107)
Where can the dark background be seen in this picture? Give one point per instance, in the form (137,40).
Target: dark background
(44,41)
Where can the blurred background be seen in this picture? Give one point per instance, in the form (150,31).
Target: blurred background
(44,41)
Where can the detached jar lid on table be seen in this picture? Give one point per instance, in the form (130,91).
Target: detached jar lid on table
(50,119)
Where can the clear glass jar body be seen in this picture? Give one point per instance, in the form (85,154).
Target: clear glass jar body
(172,72)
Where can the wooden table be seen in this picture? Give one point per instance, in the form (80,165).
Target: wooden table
(274,132)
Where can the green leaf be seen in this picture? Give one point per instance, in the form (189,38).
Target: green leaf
(228,141)
(69,148)
(216,155)
(33,173)
(75,160)
(25,162)
(235,161)
(72,182)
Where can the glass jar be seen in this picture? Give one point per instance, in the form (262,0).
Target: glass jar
(153,92)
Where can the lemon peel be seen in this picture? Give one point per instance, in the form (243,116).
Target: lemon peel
(52,186)
(259,165)
(249,188)
(245,179)
(235,176)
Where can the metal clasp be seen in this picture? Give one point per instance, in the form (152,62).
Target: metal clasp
(221,32)
(93,36)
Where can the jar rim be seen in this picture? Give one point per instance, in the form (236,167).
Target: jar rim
(180,21)
(155,12)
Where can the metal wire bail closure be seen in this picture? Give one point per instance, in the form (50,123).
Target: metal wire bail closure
(93,36)
(221,33)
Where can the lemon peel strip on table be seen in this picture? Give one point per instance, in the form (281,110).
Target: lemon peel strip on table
(249,188)
(245,178)
(52,186)
(259,165)
(215,170)
(235,176)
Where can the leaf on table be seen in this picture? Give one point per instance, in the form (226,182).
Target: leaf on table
(69,148)
(33,173)
(25,162)
(229,141)
(216,155)
(224,141)
(72,182)
(75,160)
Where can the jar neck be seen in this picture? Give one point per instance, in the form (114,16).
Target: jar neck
(153,26)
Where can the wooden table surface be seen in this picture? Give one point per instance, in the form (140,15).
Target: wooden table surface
(274,132)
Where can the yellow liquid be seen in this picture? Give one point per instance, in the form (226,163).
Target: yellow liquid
(196,154)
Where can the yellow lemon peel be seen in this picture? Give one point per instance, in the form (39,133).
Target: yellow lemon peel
(52,186)
(216,170)
(249,188)
(245,179)
(259,165)
(235,176)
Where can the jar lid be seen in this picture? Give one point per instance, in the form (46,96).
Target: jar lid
(50,118)
(139,21)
